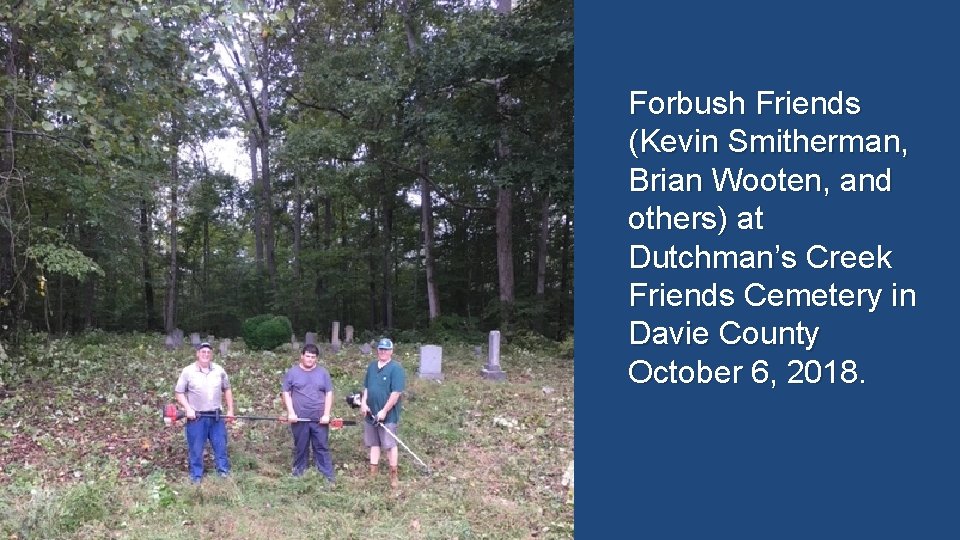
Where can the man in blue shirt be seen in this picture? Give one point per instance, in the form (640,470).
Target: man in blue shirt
(308,396)
(383,386)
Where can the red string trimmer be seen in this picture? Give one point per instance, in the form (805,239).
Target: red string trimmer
(171,415)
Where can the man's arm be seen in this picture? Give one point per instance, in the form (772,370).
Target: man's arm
(182,400)
(228,397)
(364,408)
(288,401)
(391,401)
(327,404)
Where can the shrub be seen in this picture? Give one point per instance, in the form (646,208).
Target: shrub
(267,332)
(250,327)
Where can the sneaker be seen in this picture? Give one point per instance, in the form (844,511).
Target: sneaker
(195,481)
(223,475)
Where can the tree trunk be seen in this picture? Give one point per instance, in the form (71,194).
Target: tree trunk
(327,222)
(149,306)
(257,211)
(426,203)
(426,222)
(269,243)
(170,316)
(542,260)
(205,269)
(387,265)
(504,202)
(8,280)
(89,297)
(542,244)
(564,262)
(297,239)
(505,243)
(374,312)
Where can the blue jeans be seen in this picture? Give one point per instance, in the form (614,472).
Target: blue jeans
(198,431)
(305,435)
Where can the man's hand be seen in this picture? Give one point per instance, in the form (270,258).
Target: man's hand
(381,415)
(191,413)
(292,418)
(363,408)
(325,419)
(230,417)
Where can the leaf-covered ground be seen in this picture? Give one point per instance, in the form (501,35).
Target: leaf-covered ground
(84,452)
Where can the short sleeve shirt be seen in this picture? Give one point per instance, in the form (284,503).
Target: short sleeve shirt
(380,383)
(308,390)
(203,388)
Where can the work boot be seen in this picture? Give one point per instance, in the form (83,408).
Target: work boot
(394,478)
(374,469)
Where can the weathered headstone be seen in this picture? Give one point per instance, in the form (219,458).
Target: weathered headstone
(348,334)
(225,347)
(430,362)
(177,337)
(169,342)
(211,339)
(195,339)
(366,348)
(492,370)
(478,351)
(335,334)
(335,347)
(311,338)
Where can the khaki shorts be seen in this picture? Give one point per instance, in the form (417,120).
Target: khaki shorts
(377,436)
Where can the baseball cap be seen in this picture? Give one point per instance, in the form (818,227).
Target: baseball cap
(204,345)
(385,343)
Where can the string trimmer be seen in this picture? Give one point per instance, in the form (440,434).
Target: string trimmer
(353,400)
(171,415)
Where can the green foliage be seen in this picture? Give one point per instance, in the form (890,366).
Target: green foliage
(162,495)
(52,513)
(105,92)
(81,469)
(450,328)
(266,332)
(250,327)
(53,254)
(566,347)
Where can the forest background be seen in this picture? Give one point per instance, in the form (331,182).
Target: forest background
(410,167)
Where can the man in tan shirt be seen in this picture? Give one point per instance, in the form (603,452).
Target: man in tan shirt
(200,389)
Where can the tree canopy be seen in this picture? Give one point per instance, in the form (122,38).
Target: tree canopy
(410,165)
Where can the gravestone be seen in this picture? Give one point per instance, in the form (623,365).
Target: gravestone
(225,347)
(335,334)
(492,370)
(177,337)
(195,339)
(430,360)
(348,334)
(478,351)
(169,342)
(366,348)
(311,338)
(335,347)
(211,340)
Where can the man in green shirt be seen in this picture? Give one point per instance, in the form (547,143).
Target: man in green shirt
(380,404)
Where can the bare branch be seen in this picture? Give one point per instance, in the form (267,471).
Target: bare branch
(316,106)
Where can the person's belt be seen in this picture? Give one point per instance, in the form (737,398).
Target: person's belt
(214,411)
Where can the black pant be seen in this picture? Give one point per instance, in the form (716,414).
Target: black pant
(307,434)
